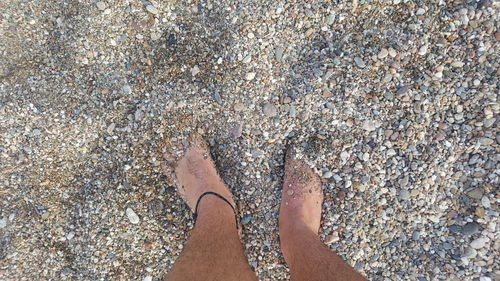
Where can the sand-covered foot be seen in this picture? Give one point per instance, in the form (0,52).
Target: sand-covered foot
(301,199)
(193,171)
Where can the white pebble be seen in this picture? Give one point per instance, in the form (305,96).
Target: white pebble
(148,278)
(132,216)
(152,9)
(250,76)
(479,243)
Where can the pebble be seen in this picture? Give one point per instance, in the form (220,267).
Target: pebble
(148,278)
(278,52)
(359,62)
(457,64)
(195,70)
(152,9)
(486,141)
(246,219)
(479,243)
(250,76)
(237,130)
(3,223)
(469,253)
(332,238)
(270,110)
(476,193)
(470,228)
(369,125)
(247,59)
(489,122)
(403,194)
(239,106)
(132,216)
(101,5)
(484,278)
(383,53)
(423,50)
(327,175)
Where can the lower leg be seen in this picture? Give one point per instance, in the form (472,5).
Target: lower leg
(310,259)
(214,250)
(299,221)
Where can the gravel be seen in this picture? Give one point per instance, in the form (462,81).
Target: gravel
(393,102)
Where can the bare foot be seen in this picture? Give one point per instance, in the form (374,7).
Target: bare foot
(301,200)
(195,173)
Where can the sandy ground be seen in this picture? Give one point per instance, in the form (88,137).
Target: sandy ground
(394,102)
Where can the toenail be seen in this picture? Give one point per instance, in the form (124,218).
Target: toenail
(290,192)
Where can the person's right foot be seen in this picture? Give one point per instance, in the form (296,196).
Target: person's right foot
(301,200)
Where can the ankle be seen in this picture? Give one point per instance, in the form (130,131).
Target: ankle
(295,234)
(213,212)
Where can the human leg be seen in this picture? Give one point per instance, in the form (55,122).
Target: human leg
(214,250)
(299,220)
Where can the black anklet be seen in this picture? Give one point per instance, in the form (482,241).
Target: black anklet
(195,215)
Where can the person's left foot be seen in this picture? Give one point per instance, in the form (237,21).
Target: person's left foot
(195,173)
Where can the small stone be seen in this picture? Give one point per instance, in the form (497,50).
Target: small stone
(470,228)
(476,193)
(484,278)
(392,53)
(246,219)
(270,110)
(247,59)
(486,141)
(423,50)
(148,278)
(289,192)
(132,216)
(486,202)
(111,128)
(479,243)
(416,235)
(239,106)
(457,64)
(369,125)
(101,5)
(155,206)
(344,155)
(292,111)
(309,32)
(3,223)
(332,238)
(383,53)
(469,253)
(391,152)
(237,130)
(359,62)
(420,11)
(195,70)
(250,76)
(278,52)
(327,175)
(455,228)
(404,194)
(152,9)
(489,122)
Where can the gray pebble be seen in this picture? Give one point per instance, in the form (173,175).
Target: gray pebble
(359,62)
(152,9)
(278,52)
(246,219)
(270,110)
(470,228)
(404,194)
